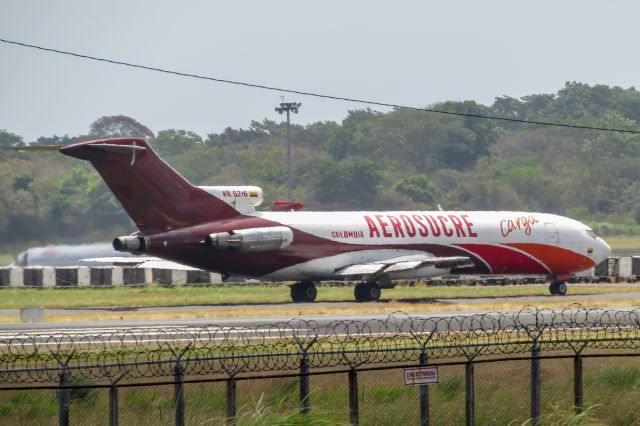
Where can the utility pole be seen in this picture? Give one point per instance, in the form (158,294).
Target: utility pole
(288,107)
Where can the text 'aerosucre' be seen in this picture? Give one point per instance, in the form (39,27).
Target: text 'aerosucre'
(389,226)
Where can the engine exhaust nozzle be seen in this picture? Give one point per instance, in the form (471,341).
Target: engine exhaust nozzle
(129,243)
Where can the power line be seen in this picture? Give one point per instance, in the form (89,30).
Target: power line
(317,95)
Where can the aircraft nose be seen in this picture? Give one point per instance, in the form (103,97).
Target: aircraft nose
(604,250)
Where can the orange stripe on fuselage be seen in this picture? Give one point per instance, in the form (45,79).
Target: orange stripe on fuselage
(559,260)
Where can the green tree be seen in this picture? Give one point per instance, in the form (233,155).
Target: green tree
(340,143)
(256,133)
(419,188)
(54,140)
(174,142)
(353,181)
(8,139)
(120,126)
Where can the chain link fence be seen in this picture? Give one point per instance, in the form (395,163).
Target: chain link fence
(533,366)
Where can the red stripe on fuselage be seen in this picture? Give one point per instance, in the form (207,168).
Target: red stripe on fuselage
(560,260)
(503,260)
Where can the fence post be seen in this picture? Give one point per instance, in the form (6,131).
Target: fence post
(113,405)
(304,382)
(64,394)
(535,382)
(178,389)
(179,394)
(578,388)
(113,395)
(231,401)
(353,397)
(469,393)
(424,393)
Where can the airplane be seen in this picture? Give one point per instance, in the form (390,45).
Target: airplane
(68,255)
(218,229)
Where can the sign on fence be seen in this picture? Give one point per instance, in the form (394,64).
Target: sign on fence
(421,376)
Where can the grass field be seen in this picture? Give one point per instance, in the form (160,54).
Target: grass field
(248,301)
(623,241)
(501,398)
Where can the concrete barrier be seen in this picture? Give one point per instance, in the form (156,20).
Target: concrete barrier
(33,277)
(178,277)
(170,277)
(48,277)
(161,276)
(134,276)
(84,276)
(101,276)
(198,277)
(17,277)
(5,276)
(117,277)
(66,277)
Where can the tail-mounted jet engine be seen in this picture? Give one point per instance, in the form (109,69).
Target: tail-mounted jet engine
(130,243)
(252,239)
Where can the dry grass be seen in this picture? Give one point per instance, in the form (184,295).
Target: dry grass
(312,309)
(249,295)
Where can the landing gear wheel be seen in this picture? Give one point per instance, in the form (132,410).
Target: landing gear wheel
(304,292)
(558,288)
(367,292)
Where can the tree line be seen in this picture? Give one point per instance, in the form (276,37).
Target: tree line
(398,160)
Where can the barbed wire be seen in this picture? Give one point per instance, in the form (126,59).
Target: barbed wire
(147,352)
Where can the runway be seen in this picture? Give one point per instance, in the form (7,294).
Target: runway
(254,321)
(462,321)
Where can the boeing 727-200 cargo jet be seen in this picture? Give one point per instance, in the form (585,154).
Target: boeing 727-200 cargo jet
(218,229)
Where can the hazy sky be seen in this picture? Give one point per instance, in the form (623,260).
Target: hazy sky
(405,52)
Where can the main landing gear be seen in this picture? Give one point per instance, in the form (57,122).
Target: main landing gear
(367,292)
(558,287)
(304,292)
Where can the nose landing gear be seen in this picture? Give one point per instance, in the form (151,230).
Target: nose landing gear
(558,287)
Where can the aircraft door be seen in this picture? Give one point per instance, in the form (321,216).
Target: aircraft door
(552,232)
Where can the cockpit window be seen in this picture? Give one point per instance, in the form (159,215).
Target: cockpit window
(592,234)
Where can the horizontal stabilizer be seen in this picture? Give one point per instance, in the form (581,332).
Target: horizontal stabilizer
(110,147)
(141,262)
(37,147)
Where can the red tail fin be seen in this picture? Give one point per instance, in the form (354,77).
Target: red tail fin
(155,196)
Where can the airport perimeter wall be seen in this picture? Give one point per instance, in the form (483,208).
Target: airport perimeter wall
(536,366)
(614,269)
(100,276)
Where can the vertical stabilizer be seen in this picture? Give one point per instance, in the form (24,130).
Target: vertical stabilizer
(155,196)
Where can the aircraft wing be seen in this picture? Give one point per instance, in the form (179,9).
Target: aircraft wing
(403,263)
(141,262)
